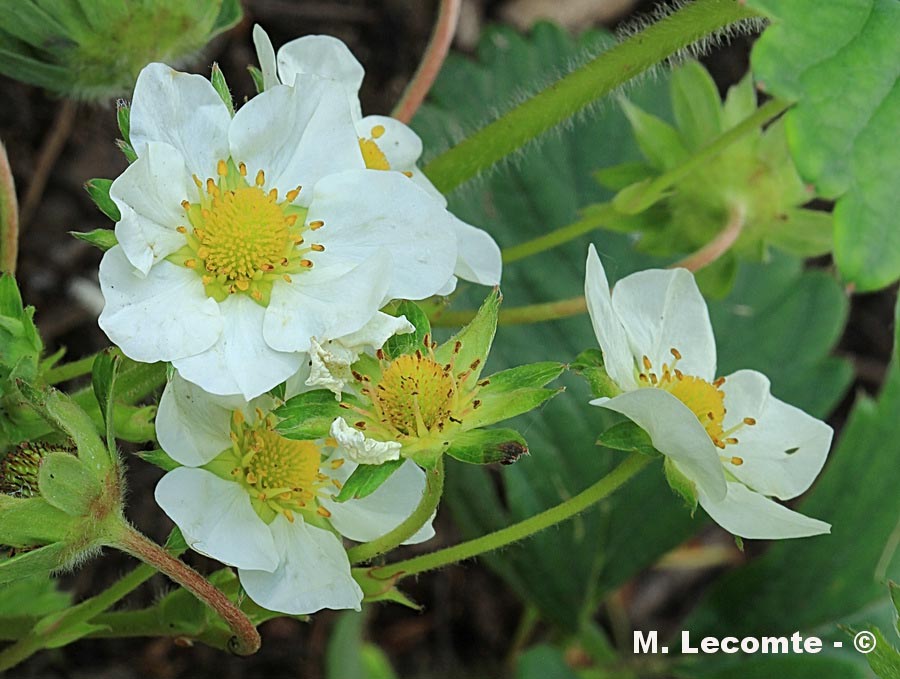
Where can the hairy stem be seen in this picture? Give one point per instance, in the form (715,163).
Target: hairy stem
(69,371)
(431,497)
(628,469)
(432,60)
(246,639)
(566,97)
(530,313)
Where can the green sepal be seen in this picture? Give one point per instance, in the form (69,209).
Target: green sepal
(802,232)
(619,176)
(380,589)
(123,118)
(660,143)
(68,484)
(531,375)
(98,190)
(61,411)
(895,597)
(127,150)
(496,407)
(366,479)
(681,484)
(409,342)
(589,365)
(26,522)
(257,77)
(20,343)
(696,105)
(310,415)
(488,446)
(217,78)
(160,458)
(279,391)
(469,348)
(103,381)
(883,657)
(102,239)
(44,560)
(628,437)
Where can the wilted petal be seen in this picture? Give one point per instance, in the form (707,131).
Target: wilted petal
(355,446)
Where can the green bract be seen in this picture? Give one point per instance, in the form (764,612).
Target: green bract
(93,49)
(417,399)
(750,181)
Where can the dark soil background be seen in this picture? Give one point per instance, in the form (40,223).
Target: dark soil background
(469,616)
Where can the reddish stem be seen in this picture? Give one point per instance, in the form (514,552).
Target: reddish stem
(432,60)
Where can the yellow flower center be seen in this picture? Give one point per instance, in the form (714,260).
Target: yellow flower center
(416,397)
(240,238)
(705,399)
(281,476)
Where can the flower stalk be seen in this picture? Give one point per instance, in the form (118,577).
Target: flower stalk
(431,498)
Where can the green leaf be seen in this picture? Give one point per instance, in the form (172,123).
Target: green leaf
(589,364)
(801,232)
(20,343)
(217,79)
(26,522)
(468,349)
(103,381)
(160,458)
(230,14)
(696,105)
(681,484)
(33,596)
(542,662)
(102,239)
(628,437)
(409,342)
(348,656)
(366,479)
(68,484)
(41,561)
(659,142)
(842,143)
(488,446)
(98,190)
(309,415)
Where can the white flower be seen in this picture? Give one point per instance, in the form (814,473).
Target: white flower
(330,360)
(242,238)
(738,444)
(264,504)
(361,449)
(386,143)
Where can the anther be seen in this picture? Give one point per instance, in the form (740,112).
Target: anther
(260,178)
(749,421)
(221,168)
(731,441)
(190,263)
(317,247)
(408,173)
(306,264)
(181,229)
(377,131)
(291,195)
(719,382)
(287,278)
(737,461)
(317,224)
(321,511)
(646,362)
(242,168)
(186,204)
(676,353)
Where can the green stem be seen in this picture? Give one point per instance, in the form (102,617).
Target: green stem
(593,217)
(246,639)
(69,371)
(431,497)
(530,313)
(638,197)
(566,97)
(518,531)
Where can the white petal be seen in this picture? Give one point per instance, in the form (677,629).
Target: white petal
(676,433)
(240,362)
(369,210)
(325,57)
(265,53)
(380,328)
(184,111)
(332,299)
(355,446)
(313,572)
(617,357)
(768,468)
(296,135)
(399,144)
(149,194)
(478,259)
(216,518)
(750,515)
(162,317)
(448,287)
(661,310)
(382,511)
(193,426)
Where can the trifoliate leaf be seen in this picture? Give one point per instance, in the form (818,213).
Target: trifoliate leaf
(842,140)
